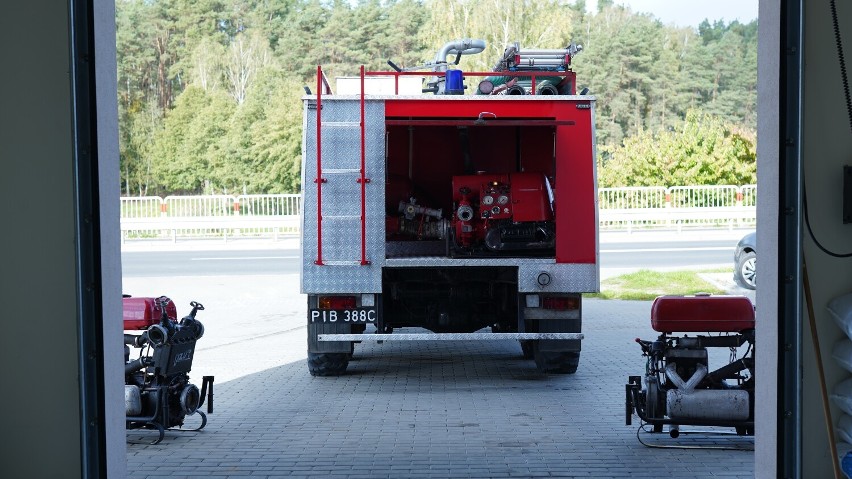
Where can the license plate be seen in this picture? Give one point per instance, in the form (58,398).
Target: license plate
(352,316)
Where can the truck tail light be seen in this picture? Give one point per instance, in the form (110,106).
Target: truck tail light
(336,302)
(560,303)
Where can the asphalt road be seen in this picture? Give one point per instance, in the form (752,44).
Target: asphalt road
(618,252)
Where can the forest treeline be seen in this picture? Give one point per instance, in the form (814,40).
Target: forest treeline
(210,90)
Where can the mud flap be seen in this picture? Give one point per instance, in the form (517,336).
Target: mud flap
(315,346)
(559,326)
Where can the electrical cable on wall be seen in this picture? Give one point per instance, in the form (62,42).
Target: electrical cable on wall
(844,77)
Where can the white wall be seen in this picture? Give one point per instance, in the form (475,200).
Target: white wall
(827,146)
(109,192)
(767,237)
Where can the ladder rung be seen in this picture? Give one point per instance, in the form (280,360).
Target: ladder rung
(342,124)
(341,217)
(340,263)
(338,171)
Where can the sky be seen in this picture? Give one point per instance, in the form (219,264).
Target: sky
(690,12)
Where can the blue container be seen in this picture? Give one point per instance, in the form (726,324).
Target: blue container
(455,83)
(846,464)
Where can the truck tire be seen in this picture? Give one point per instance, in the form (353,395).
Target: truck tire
(327,364)
(556,362)
(527,348)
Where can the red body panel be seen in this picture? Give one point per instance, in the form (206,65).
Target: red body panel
(530,198)
(140,313)
(695,314)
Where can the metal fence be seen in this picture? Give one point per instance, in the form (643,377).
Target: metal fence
(210,216)
(264,215)
(677,206)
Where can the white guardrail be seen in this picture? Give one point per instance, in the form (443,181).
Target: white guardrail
(251,216)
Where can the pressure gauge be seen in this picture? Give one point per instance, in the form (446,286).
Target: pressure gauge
(487,199)
(503,199)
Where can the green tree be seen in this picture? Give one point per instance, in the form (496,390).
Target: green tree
(189,149)
(209,95)
(704,150)
(624,64)
(275,149)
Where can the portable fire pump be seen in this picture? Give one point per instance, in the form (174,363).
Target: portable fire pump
(473,216)
(157,391)
(678,387)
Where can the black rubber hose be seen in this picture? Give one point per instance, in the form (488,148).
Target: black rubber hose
(137,365)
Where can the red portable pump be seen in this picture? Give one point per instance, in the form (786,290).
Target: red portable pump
(157,392)
(679,387)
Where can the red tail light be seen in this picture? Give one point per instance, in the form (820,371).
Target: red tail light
(560,303)
(336,302)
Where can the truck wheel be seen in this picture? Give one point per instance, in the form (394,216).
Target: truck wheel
(527,348)
(556,362)
(327,364)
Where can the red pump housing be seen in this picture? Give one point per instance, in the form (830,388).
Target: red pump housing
(140,313)
(697,314)
(509,211)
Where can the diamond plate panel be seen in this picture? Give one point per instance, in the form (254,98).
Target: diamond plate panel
(446,336)
(342,242)
(341,148)
(565,278)
(347,109)
(341,197)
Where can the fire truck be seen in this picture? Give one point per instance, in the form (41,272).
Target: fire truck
(464,208)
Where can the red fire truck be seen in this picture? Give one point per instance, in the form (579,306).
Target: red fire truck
(465,210)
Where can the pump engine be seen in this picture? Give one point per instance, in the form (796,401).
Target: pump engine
(492,213)
(495,213)
(678,387)
(157,391)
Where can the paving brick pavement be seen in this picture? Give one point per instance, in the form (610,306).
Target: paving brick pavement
(429,410)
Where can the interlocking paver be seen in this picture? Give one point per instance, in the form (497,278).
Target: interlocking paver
(431,410)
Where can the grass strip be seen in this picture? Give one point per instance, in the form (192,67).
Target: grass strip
(644,285)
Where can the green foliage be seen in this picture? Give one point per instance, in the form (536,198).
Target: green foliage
(189,146)
(645,285)
(537,24)
(704,150)
(209,90)
(266,141)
